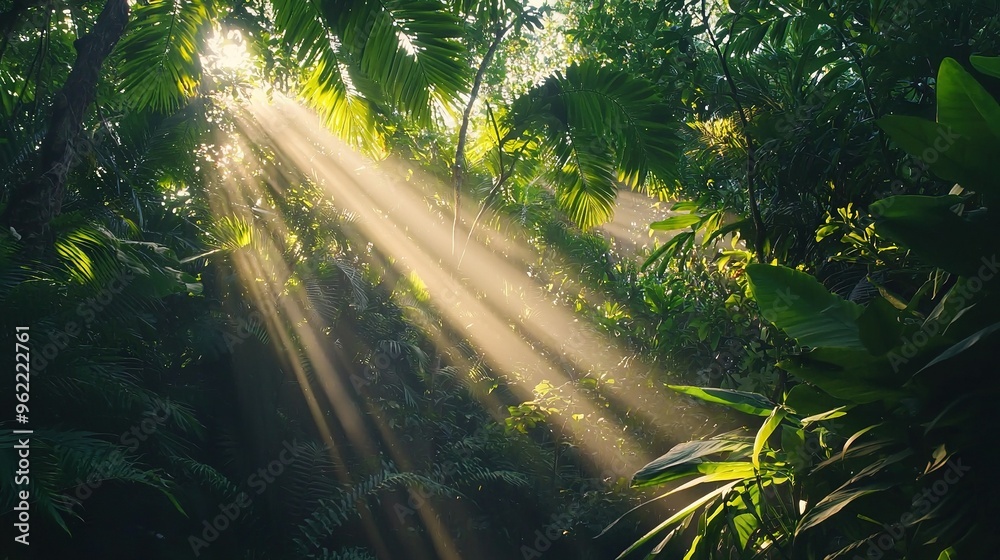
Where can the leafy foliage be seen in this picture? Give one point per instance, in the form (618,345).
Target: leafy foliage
(161,70)
(834,295)
(852,453)
(602,128)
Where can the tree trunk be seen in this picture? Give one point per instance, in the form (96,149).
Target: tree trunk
(458,170)
(34,203)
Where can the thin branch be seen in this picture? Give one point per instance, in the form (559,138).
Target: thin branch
(856,57)
(458,169)
(852,49)
(501,180)
(755,216)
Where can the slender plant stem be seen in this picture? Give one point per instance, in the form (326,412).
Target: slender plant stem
(734,93)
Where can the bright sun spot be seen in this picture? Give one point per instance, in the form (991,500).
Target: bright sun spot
(227,52)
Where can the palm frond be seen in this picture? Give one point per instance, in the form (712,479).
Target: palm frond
(160,67)
(585,175)
(409,48)
(603,128)
(362,54)
(207,475)
(327,84)
(64,462)
(311,478)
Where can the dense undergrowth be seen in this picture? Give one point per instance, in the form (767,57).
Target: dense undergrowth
(826,283)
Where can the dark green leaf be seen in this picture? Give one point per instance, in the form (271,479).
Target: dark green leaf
(799,305)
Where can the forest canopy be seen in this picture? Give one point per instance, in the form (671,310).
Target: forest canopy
(450,279)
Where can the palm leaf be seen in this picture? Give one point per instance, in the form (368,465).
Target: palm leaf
(160,65)
(603,128)
(362,54)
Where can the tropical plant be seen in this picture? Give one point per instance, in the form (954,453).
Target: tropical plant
(598,128)
(871,452)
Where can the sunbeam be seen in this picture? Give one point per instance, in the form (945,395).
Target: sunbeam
(489,301)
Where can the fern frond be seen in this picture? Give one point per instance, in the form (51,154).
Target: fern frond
(332,514)
(354,553)
(207,475)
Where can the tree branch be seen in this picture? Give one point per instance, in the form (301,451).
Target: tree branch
(33,205)
(458,170)
(755,216)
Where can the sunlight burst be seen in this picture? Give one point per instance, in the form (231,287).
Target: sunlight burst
(227,53)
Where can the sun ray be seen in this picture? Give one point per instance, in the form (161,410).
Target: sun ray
(421,247)
(517,327)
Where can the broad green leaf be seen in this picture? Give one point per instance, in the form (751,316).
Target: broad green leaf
(765,431)
(825,231)
(685,460)
(950,155)
(727,229)
(725,469)
(685,206)
(989,65)
(705,479)
(929,227)
(806,400)
(799,305)
(676,222)
(736,473)
(880,327)
(745,525)
(823,416)
(684,513)
(964,105)
(692,451)
(751,403)
(793,444)
(950,553)
(656,255)
(852,375)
